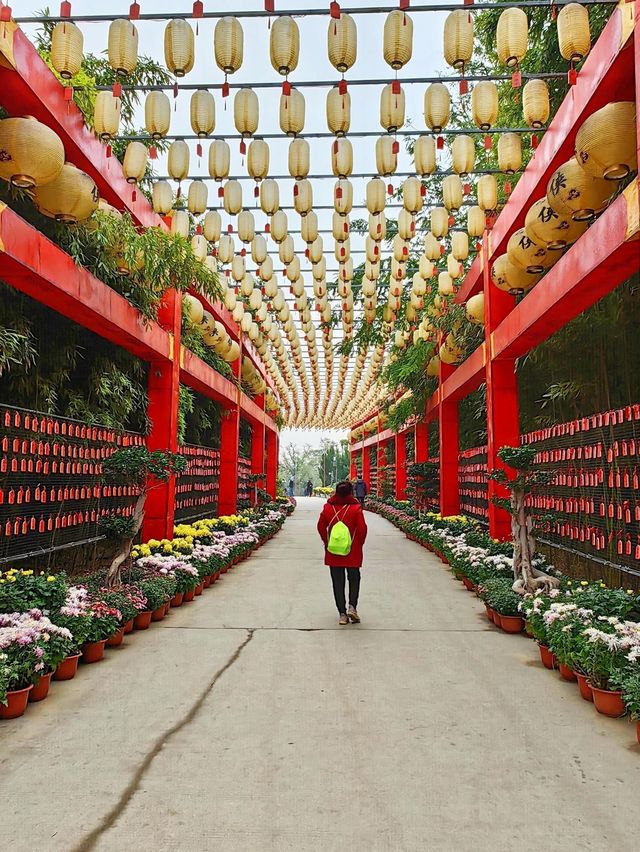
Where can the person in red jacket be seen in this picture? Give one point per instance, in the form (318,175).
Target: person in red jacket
(343,506)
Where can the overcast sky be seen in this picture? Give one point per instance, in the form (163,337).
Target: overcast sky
(427,61)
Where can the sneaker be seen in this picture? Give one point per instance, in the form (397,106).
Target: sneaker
(343,618)
(353,615)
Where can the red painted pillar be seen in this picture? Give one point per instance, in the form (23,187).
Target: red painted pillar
(164,390)
(401,466)
(381,461)
(448,421)
(503,427)
(421,441)
(257,446)
(229,451)
(272,462)
(366,467)
(353,471)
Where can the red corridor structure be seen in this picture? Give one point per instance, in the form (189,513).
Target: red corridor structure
(593,266)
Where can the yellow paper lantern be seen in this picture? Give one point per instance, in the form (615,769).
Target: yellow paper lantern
(292,109)
(106,115)
(31,154)
(338,111)
(157,114)
(377,225)
(341,158)
(258,159)
(309,227)
(134,165)
(340,227)
(226,248)
(180,224)
(178,160)
(426,268)
(386,157)
(445,284)
(258,248)
(512,36)
(162,197)
(219,159)
(535,103)
(122,46)
(484,104)
(452,193)
(460,245)
(397,39)
(437,107)
(284,44)
(392,106)
(212,226)
(246,112)
(523,252)
(476,221)
(571,191)
(343,196)
(375,196)
(228,43)
(269,196)
(439,223)
(606,141)
(199,247)
(511,278)
(299,158)
(179,47)
(463,155)
(509,152)
(302,196)
(413,194)
(70,198)
(232,199)
(574,36)
(454,267)
(239,269)
(458,38)
(202,112)
(193,309)
(487,193)
(549,229)
(474,309)
(424,155)
(197,197)
(406,224)
(246,226)
(279,226)
(342,42)
(66,49)
(432,247)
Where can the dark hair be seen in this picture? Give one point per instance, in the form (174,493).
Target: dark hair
(344,489)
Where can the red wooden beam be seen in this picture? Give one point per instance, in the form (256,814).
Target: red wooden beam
(34,265)
(28,87)
(607,75)
(607,255)
(203,379)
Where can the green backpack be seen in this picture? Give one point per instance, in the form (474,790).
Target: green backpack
(339,543)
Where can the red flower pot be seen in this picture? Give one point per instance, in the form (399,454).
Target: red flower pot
(469,586)
(41,688)
(585,690)
(224,569)
(167,607)
(638,732)
(198,589)
(207,581)
(16,703)
(177,599)
(547,657)
(216,576)
(512,623)
(497,619)
(67,668)
(608,702)
(188,596)
(116,639)
(93,652)
(566,672)
(129,626)
(158,614)
(143,620)
(489,612)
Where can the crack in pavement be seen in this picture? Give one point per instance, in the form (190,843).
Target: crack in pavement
(89,842)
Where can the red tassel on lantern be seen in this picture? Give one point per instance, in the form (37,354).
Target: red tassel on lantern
(463,87)
(134,11)
(342,87)
(5,13)
(286,88)
(488,144)
(395,147)
(534,141)
(395,87)
(572,77)
(198,9)
(334,10)
(199,149)
(516,80)
(65,9)
(153,152)
(225,88)
(269,5)
(440,143)
(243,147)
(390,188)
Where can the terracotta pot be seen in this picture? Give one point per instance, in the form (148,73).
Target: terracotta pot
(608,702)
(207,581)
(41,687)
(159,613)
(167,607)
(116,639)
(93,652)
(547,657)
(512,623)
(489,612)
(188,596)
(638,732)
(224,569)
(216,576)
(585,690)
(497,619)
(177,599)
(566,672)
(142,620)
(469,586)
(129,626)
(198,589)
(16,703)
(67,668)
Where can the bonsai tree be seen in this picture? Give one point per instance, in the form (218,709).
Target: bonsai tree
(525,481)
(138,467)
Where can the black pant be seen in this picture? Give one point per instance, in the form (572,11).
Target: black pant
(360,500)
(337,578)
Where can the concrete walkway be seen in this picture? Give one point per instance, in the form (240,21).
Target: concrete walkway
(249,720)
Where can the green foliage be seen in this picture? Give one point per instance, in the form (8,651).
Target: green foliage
(16,347)
(117,527)
(498,594)
(133,466)
(191,338)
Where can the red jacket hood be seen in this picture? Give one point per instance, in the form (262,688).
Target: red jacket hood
(335,500)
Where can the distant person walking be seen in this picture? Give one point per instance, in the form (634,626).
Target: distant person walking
(343,531)
(291,486)
(360,490)
(309,488)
